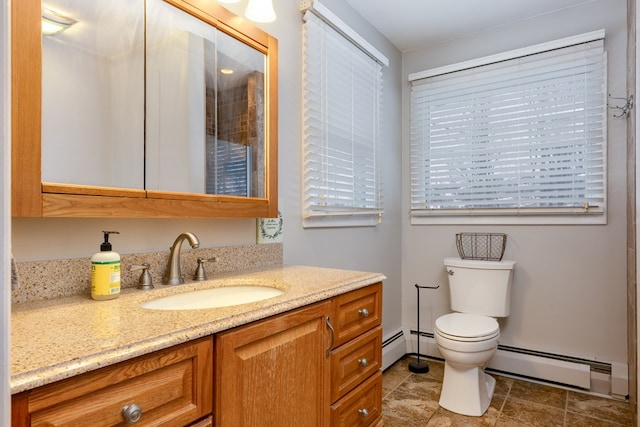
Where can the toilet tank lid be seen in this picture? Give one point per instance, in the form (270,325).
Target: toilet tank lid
(474,263)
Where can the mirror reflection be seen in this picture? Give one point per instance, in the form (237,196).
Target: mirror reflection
(205,108)
(180,108)
(93,95)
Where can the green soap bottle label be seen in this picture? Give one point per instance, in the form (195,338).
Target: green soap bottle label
(105,278)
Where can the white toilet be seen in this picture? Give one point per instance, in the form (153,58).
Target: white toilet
(468,338)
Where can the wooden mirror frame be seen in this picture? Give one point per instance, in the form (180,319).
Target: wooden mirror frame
(33,198)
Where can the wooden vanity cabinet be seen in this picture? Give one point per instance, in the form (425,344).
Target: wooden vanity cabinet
(356,358)
(293,370)
(315,366)
(170,387)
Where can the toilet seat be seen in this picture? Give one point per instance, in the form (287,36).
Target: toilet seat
(464,327)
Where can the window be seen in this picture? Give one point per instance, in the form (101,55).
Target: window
(519,134)
(341,124)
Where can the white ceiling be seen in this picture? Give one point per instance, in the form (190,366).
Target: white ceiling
(411,24)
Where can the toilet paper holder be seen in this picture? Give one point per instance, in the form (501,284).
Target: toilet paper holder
(418,366)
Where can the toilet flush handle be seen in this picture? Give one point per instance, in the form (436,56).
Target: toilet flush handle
(450,272)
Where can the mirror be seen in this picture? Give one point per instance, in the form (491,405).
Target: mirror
(178,107)
(205,107)
(93,94)
(126,113)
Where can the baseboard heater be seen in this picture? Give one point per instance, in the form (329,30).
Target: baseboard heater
(397,336)
(532,364)
(393,348)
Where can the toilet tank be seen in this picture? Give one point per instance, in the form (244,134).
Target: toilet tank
(480,287)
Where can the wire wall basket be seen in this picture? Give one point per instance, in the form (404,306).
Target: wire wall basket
(481,246)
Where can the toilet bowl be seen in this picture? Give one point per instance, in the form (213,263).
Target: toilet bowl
(467,342)
(468,337)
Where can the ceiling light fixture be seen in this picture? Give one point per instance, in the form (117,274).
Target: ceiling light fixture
(260,11)
(53,22)
(257,10)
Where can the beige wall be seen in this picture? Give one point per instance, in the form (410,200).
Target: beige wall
(569,294)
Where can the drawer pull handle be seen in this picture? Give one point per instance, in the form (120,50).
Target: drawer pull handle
(363,312)
(131,413)
(327,352)
(363,412)
(363,362)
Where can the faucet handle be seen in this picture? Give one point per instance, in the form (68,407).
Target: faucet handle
(144,282)
(200,273)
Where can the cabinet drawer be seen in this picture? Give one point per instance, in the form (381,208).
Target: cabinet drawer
(361,407)
(356,312)
(171,387)
(354,361)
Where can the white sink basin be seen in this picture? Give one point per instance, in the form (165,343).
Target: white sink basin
(213,298)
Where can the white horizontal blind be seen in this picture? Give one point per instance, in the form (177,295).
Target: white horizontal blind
(523,135)
(232,165)
(341,106)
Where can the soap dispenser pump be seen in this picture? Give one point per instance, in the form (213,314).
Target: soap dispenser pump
(105,271)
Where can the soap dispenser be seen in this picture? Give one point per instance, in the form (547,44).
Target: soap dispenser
(105,271)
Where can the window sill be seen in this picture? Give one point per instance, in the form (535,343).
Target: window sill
(341,220)
(595,216)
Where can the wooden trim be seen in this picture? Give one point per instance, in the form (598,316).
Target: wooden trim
(244,200)
(226,21)
(20,416)
(271,122)
(26,88)
(175,195)
(91,190)
(248,33)
(85,206)
(207,422)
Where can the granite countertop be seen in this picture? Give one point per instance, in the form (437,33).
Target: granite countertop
(56,339)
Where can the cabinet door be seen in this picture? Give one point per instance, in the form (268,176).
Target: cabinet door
(274,372)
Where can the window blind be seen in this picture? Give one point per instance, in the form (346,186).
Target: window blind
(342,87)
(521,136)
(232,165)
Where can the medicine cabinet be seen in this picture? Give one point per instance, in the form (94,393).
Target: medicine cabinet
(156,108)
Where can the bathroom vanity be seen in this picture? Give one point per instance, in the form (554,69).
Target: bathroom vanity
(309,357)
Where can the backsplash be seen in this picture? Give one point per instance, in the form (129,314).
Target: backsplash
(41,280)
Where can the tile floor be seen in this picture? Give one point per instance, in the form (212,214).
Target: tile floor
(411,400)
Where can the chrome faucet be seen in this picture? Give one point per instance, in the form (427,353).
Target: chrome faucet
(173,274)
